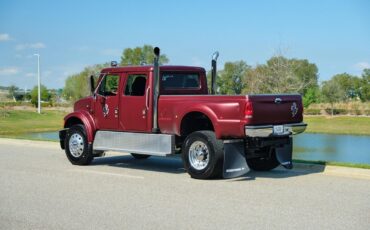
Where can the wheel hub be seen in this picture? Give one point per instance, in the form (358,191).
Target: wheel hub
(76,145)
(199,155)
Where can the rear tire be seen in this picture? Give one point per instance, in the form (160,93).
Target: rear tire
(140,156)
(77,149)
(264,163)
(202,155)
(99,153)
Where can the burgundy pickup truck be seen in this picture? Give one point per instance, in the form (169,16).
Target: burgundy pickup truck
(164,110)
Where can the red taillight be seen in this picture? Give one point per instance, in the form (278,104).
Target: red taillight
(248,109)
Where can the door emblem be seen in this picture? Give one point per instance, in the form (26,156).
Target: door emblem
(294,109)
(105,110)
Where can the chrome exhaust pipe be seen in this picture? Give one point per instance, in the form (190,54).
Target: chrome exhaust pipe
(156,51)
(214,72)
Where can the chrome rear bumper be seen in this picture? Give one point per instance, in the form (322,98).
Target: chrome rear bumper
(268,130)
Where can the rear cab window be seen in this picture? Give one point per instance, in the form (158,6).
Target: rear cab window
(180,83)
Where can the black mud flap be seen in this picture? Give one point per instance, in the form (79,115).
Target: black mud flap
(235,164)
(284,154)
(62,137)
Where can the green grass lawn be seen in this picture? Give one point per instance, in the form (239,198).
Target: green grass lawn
(15,122)
(338,125)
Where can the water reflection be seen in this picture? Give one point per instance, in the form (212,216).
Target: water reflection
(329,147)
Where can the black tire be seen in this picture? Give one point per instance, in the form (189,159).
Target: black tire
(214,157)
(264,163)
(140,156)
(84,153)
(98,153)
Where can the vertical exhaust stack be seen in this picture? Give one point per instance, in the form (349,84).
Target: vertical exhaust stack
(214,72)
(157,51)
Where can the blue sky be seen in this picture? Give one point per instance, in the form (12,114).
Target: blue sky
(69,35)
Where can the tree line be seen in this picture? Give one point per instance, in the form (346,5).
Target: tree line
(278,75)
(49,96)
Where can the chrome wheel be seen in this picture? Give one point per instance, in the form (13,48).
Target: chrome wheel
(76,145)
(199,155)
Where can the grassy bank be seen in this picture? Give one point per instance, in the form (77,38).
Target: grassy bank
(338,125)
(15,122)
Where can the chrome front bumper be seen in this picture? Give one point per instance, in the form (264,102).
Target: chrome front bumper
(268,130)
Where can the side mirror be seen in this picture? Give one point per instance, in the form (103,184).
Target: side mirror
(92,84)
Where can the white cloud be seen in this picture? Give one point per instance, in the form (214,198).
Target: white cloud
(9,71)
(47,73)
(30,75)
(38,45)
(4,37)
(111,52)
(362,65)
(83,48)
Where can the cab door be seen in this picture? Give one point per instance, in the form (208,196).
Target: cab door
(134,103)
(106,103)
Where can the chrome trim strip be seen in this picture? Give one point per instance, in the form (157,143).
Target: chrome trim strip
(233,141)
(141,143)
(267,130)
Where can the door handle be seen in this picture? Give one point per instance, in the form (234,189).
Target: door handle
(147,98)
(116,112)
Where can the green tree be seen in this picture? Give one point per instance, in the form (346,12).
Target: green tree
(365,85)
(44,93)
(332,93)
(231,78)
(349,84)
(77,85)
(311,96)
(140,55)
(307,73)
(282,75)
(11,91)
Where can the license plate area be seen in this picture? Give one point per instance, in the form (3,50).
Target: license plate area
(278,129)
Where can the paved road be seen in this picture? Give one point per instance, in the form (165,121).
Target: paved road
(40,189)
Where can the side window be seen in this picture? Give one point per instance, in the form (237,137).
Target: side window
(109,86)
(135,85)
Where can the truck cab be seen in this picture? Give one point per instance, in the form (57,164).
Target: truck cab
(122,100)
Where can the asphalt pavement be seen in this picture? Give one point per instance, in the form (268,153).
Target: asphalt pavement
(40,189)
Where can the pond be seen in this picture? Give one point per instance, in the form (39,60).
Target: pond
(317,147)
(329,147)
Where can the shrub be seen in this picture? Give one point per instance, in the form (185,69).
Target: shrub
(336,111)
(312,111)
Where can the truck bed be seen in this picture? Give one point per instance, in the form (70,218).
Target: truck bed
(228,113)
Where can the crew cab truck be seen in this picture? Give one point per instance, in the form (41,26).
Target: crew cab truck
(164,110)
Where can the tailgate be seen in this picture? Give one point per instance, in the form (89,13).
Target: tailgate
(276,109)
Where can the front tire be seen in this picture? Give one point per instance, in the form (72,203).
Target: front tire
(77,149)
(202,154)
(264,163)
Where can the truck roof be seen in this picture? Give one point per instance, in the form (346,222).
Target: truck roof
(150,68)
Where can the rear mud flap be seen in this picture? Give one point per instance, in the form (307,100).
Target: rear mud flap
(284,154)
(235,164)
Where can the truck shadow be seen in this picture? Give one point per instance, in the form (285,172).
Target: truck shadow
(157,164)
(281,173)
(174,165)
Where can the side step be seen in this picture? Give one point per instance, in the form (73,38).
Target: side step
(141,143)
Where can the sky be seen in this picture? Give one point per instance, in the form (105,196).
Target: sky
(70,35)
